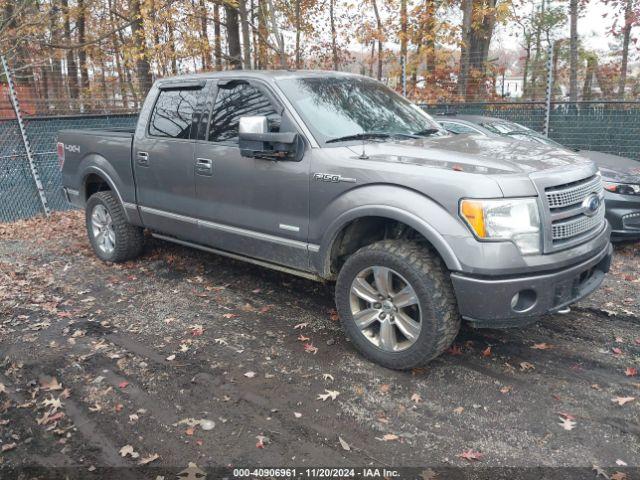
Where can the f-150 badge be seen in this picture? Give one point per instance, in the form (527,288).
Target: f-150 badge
(332,178)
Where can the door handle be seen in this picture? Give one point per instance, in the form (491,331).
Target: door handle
(204,167)
(143,159)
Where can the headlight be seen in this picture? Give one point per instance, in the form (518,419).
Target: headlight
(515,219)
(622,188)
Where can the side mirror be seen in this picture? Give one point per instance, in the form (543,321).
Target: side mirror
(257,142)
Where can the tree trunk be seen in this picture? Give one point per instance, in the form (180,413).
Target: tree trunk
(537,57)
(334,47)
(263,33)
(298,59)
(527,61)
(379,35)
(592,65)
(172,49)
(573,48)
(430,39)
(72,66)
(246,42)
(217,40)
(143,68)
(233,37)
(626,36)
(403,44)
(206,47)
(82,52)
(465,47)
(276,33)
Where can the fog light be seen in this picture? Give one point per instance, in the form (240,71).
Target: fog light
(523,300)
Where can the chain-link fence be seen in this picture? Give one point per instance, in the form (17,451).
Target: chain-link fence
(18,193)
(610,127)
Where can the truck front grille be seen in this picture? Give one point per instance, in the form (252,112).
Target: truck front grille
(570,222)
(563,230)
(574,193)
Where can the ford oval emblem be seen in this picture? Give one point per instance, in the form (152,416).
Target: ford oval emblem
(591,204)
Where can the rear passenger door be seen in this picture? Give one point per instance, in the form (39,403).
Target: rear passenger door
(163,159)
(255,207)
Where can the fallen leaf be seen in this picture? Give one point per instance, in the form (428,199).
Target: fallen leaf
(309,348)
(250,374)
(207,424)
(300,325)
(525,366)
(416,398)
(328,394)
(197,330)
(389,437)
(297,414)
(621,463)
(541,346)
(128,450)
(567,423)
(471,455)
(148,459)
(384,388)
(9,446)
(600,472)
(458,410)
(505,390)
(487,352)
(345,445)
(327,376)
(50,384)
(618,476)
(123,384)
(631,372)
(190,431)
(3,389)
(229,315)
(118,407)
(616,351)
(566,415)
(302,338)
(622,400)
(262,441)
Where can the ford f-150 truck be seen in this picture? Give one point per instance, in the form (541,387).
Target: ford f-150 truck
(333,176)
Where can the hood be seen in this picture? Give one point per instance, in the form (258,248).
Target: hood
(615,168)
(473,154)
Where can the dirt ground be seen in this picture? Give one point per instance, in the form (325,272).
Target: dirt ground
(183,356)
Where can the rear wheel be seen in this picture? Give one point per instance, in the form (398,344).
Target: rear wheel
(113,238)
(396,303)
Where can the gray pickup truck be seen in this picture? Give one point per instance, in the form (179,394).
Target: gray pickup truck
(333,176)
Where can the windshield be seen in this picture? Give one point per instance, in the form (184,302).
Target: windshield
(336,107)
(515,130)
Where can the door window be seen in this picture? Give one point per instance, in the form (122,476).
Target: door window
(235,101)
(172,114)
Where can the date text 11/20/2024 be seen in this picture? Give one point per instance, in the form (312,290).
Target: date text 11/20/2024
(316,472)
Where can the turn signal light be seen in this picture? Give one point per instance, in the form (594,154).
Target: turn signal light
(474,214)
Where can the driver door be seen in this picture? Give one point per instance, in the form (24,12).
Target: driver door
(255,207)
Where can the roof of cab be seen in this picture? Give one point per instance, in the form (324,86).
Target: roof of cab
(260,74)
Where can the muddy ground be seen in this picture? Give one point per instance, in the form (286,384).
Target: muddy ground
(191,357)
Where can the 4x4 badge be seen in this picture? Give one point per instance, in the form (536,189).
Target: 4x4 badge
(332,178)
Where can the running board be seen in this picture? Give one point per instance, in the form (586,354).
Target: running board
(242,258)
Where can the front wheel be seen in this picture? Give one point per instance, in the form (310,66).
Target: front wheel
(397,304)
(113,238)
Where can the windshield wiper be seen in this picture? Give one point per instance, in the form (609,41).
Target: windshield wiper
(427,132)
(367,135)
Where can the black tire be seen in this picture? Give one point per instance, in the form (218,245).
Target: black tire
(129,239)
(430,280)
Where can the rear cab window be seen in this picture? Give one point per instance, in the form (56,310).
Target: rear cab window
(173,113)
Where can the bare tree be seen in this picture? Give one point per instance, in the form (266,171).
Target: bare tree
(379,35)
(573,51)
(233,37)
(626,36)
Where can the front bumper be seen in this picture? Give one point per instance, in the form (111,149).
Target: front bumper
(623,213)
(518,300)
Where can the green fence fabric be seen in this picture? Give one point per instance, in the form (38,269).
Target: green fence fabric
(611,127)
(18,194)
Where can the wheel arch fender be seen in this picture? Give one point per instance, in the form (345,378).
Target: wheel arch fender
(429,228)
